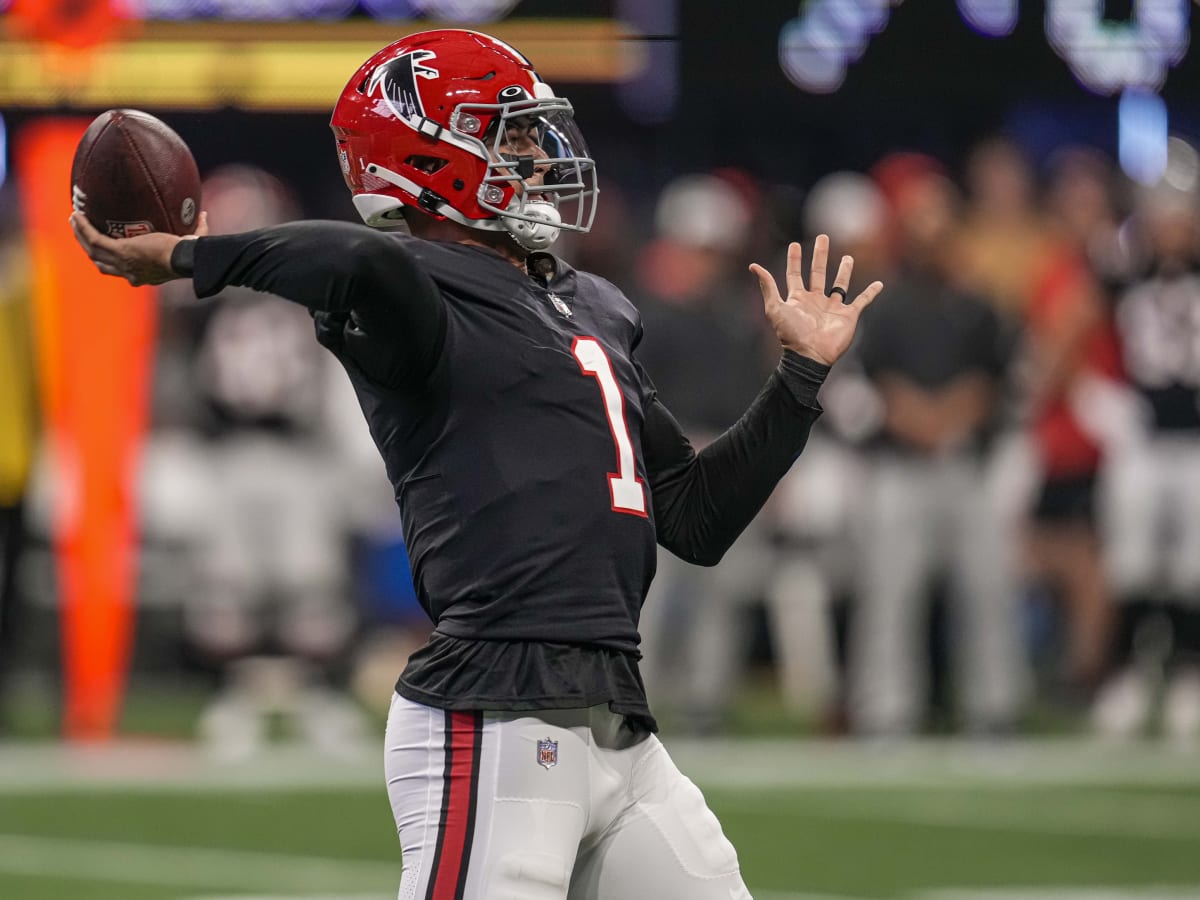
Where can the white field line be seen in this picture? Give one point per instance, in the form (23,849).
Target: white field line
(1169,892)
(195,867)
(188,867)
(1025,893)
(733,764)
(127,766)
(1082,822)
(798,895)
(1058,893)
(199,868)
(758,895)
(933,763)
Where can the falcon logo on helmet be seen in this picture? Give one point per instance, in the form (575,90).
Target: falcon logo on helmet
(396,82)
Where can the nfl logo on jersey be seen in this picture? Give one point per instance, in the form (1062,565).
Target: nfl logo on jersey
(560,304)
(547,753)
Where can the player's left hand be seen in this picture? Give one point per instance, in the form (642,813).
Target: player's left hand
(145,259)
(809,321)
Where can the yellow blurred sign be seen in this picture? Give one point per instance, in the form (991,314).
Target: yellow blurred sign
(289,66)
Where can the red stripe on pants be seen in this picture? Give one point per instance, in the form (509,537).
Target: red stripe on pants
(456,837)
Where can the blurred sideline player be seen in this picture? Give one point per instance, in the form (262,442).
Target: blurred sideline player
(937,356)
(18,433)
(1152,483)
(241,408)
(1069,343)
(816,506)
(533,466)
(704,351)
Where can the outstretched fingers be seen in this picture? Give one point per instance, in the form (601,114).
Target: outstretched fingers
(841,281)
(766,284)
(820,258)
(867,296)
(795,269)
(795,278)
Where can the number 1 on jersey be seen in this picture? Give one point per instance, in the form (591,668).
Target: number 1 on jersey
(628,494)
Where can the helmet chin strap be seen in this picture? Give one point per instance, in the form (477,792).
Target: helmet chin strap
(538,235)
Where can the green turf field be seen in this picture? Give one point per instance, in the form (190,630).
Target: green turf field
(1065,821)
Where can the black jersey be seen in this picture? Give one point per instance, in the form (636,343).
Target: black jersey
(518,463)
(533,465)
(931,334)
(1158,324)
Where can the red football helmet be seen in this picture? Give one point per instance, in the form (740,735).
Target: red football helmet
(426,122)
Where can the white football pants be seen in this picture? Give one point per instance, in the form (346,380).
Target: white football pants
(1151,513)
(921,516)
(547,805)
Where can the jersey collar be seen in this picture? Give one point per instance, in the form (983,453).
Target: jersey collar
(551,272)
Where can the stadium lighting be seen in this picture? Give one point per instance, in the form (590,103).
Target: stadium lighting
(819,44)
(653,95)
(1142,135)
(817,47)
(991,18)
(1108,57)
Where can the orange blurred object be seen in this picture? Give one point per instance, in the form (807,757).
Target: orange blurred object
(95,338)
(72,23)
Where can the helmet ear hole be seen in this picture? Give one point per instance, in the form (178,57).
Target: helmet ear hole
(427,164)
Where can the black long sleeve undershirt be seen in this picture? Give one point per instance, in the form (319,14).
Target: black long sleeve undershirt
(353,273)
(702,501)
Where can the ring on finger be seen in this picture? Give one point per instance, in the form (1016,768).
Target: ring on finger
(838,289)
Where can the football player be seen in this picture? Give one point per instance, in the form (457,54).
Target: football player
(533,466)
(1152,482)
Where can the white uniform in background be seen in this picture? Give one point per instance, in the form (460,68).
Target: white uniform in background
(923,517)
(1151,501)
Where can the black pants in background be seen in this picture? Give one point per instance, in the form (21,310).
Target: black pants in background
(12,537)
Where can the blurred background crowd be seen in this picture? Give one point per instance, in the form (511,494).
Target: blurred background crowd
(994,530)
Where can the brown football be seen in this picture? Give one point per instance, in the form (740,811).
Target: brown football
(133,175)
